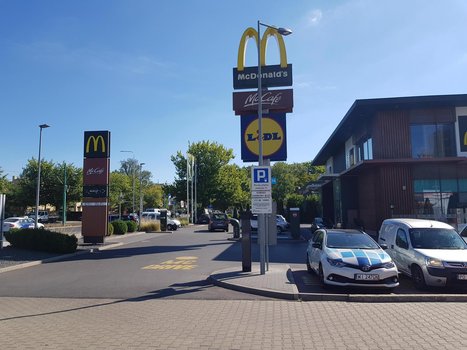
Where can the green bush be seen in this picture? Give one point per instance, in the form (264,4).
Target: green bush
(120,227)
(110,229)
(132,226)
(150,226)
(42,240)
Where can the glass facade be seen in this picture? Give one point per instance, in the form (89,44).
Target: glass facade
(441,199)
(433,140)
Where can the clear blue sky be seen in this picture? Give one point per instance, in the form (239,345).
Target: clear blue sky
(158,74)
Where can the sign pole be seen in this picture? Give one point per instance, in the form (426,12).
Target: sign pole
(261,226)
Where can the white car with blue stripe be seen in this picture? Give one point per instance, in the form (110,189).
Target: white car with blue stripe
(350,258)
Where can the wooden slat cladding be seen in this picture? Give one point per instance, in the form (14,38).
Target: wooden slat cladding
(391,136)
(396,186)
(431,116)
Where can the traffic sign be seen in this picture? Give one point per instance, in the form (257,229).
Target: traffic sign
(261,178)
(261,201)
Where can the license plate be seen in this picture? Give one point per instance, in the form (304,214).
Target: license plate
(364,277)
(462,277)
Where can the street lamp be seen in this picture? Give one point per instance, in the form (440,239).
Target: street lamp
(262,217)
(133,171)
(140,191)
(42,126)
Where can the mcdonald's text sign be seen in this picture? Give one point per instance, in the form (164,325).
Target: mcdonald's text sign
(96,144)
(271,76)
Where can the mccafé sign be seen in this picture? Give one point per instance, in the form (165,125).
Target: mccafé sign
(271,76)
(275,100)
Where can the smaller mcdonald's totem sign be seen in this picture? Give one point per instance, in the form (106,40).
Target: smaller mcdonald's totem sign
(96,170)
(96,144)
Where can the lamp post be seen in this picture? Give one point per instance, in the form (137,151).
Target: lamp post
(140,192)
(262,217)
(42,126)
(133,173)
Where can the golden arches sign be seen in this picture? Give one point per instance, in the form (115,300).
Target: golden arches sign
(252,33)
(95,142)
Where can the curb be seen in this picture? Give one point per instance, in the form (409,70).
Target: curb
(57,258)
(256,291)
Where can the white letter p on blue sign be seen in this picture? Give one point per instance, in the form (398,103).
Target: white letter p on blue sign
(261,175)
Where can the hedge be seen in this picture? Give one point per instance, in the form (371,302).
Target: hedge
(132,226)
(42,240)
(120,227)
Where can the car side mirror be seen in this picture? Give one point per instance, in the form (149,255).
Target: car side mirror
(316,245)
(383,246)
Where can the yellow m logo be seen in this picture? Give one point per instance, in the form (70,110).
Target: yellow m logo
(252,33)
(95,142)
(465,138)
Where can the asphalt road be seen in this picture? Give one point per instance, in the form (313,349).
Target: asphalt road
(155,265)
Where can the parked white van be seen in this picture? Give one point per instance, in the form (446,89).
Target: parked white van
(431,252)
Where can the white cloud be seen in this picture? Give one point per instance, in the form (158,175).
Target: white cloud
(314,17)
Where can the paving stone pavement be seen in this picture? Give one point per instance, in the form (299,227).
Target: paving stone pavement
(43,323)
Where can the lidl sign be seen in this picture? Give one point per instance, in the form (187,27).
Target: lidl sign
(274,137)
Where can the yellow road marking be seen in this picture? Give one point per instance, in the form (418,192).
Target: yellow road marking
(180,263)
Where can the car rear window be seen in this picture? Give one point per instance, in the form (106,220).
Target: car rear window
(219,217)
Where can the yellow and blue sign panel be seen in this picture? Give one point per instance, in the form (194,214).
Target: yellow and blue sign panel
(274,137)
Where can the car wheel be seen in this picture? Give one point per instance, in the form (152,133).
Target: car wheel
(308,266)
(418,277)
(279,230)
(169,227)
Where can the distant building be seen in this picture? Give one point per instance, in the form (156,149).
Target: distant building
(397,157)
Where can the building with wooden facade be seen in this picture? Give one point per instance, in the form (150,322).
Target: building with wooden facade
(397,157)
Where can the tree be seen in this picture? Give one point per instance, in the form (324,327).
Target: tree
(120,191)
(210,157)
(232,187)
(154,196)
(23,190)
(3,182)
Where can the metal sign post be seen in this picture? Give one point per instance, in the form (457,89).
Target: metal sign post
(2,217)
(261,203)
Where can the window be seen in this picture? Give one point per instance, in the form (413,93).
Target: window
(432,140)
(401,239)
(365,149)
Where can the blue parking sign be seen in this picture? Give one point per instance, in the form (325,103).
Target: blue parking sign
(261,175)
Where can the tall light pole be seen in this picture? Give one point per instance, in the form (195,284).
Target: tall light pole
(36,219)
(262,217)
(140,192)
(133,171)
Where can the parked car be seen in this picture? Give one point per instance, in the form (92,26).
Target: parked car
(281,224)
(172,224)
(218,221)
(463,233)
(131,217)
(350,258)
(203,219)
(19,222)
(319,222)
(431,252)
(43,215)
